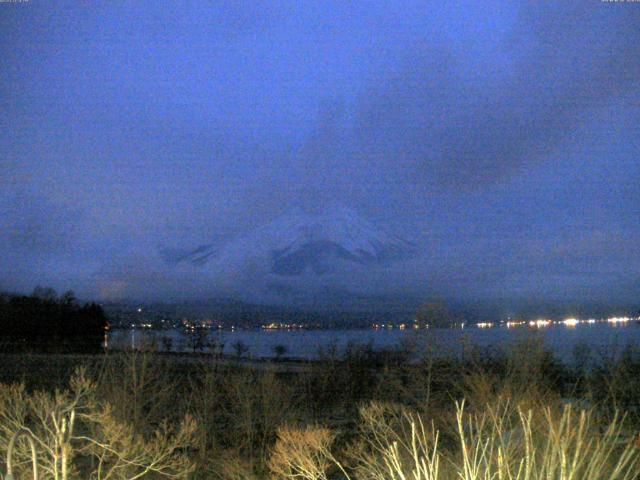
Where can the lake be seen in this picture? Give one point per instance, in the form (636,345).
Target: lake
(562,338)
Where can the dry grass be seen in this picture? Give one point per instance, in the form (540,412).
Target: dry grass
(569,446)
(395,444)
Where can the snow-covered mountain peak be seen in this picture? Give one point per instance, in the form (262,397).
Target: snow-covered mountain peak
(299,240)
(340,225)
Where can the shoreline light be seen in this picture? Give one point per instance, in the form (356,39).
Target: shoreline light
(512,323)
(570,322)
(540,323)
(618,319)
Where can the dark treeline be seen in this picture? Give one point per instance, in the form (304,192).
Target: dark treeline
(46,322)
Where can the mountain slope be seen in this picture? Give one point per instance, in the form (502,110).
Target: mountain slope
(298,242)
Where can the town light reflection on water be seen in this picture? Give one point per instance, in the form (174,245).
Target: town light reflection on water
(570,322)
(540,323)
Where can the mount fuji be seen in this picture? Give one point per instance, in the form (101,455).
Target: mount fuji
(301,242)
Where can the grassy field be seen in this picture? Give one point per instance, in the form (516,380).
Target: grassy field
(516,414)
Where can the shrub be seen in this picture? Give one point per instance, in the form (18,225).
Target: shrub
(78,436)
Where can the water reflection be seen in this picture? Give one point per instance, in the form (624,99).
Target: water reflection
(562,337)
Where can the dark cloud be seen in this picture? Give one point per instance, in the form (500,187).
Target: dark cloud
(559,63)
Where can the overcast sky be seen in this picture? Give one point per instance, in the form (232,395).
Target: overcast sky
(503,138)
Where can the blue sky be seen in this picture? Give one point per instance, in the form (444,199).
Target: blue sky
(501,137)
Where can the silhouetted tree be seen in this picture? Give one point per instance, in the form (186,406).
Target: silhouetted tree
(45,293)
(279,351)
(44,322)
(68,298)
(240,348)
(198,338)
(167,343)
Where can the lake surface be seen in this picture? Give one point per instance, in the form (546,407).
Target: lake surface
(599,337)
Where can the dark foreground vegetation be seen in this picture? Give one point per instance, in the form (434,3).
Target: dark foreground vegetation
(517,414)
(46,322)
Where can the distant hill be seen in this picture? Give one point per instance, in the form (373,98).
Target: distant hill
(248,315)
